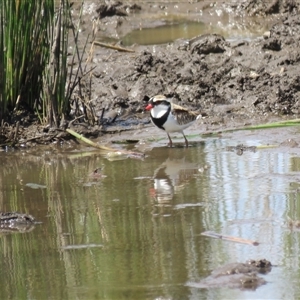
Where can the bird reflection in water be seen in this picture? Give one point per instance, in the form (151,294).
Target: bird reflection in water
(171,177)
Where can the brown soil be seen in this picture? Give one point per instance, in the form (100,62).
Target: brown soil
(232,82)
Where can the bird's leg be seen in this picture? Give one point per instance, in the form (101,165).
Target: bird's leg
(186,141)
(170,141)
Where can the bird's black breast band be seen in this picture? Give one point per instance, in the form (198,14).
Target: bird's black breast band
(159,122)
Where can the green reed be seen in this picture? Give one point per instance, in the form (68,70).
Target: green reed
(34,73)
(24,46)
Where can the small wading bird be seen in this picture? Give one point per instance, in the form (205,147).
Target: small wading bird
(170,117)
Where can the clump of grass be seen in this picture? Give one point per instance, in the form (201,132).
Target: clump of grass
(36,71)
(61,77)
(24,45)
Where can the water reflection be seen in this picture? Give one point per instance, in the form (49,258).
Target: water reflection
(16,228)
(172,176)
(109,238)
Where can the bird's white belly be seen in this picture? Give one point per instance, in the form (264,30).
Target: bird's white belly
(171,125)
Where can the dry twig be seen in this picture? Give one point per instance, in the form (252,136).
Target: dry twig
(229,238)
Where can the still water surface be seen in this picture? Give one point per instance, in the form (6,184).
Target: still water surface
(136,233)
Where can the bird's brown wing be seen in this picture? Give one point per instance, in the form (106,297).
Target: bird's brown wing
(183,115)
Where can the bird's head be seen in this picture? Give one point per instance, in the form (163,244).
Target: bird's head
(157,100)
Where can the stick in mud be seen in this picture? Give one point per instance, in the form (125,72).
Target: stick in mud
(118,48)
(129,154)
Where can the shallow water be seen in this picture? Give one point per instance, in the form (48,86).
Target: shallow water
(164,34)
(183,23)
(186,29)
(135,232)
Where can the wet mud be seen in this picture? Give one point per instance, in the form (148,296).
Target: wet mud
(237,275)
(233,82)
(11,222)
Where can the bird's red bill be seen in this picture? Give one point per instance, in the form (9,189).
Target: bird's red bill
(149,107)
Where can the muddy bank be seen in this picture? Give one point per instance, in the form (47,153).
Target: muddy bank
(233,82)
(11,222)
(237,275)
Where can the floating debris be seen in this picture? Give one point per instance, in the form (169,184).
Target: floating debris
(15,217)
(240,149)
(185,205)
(86,246)
(97,173)
(263,266)
(236,275)
(229,238)
(118,155)
(16,222)
(289,143)
(36,186)
(293,224)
